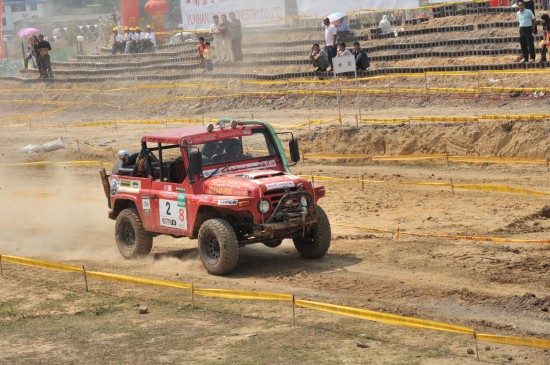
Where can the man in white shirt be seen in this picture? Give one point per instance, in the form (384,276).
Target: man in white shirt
(117,41)
(527,24)
(330,40)
(130,43)
(151,36)
(217,38)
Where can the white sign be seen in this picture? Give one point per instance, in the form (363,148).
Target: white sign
(319,9)
(343,64)
(197,14)
(173,213)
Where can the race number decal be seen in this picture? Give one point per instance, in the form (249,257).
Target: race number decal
(173,213)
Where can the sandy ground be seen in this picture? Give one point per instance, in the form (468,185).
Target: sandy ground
(60,214)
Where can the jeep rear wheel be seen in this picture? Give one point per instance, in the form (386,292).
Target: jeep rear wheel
(132,239)
(218,246)
(317,241)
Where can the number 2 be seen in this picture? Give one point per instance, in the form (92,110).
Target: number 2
(168,209)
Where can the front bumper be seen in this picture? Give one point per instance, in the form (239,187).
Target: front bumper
(289,218)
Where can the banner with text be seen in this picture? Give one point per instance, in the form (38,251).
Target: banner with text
(197,14)
(318,8)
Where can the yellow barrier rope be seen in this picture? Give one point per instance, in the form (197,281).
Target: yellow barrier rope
(358,313)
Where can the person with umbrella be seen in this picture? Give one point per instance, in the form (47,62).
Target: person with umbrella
(44,49)
(31,52)
(330,39)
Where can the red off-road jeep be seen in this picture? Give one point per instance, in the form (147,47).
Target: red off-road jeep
(227,184)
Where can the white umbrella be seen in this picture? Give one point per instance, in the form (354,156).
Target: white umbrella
(336,16)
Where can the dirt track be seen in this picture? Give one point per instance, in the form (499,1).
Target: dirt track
(60,214)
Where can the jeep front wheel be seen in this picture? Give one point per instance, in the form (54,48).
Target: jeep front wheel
(317,241)
(132,239)
(218,246)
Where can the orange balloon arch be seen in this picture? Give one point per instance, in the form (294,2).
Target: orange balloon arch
(130,12)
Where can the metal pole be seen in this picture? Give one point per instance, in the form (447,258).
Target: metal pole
(357,93)
(338,98)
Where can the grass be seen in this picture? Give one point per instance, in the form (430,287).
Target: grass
(6,310)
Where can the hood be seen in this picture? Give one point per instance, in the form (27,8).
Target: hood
(248,183)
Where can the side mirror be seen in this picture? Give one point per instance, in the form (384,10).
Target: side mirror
(294,150)
(195,163)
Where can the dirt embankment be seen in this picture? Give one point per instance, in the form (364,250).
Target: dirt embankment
(498,139)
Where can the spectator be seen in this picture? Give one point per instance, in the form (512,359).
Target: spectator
(139,40)
(217,38)
(150,38)
(130,42)
(207,58)
(44,49)
(545,22)
(384,25)
(237,37)
(201,48)
(37,52)
(530,4)
(344,31)
(117,41)
(126,38)
(227,39)
(319,58)
(362,61)
(526,28)
(342,51)
(30,53)
(330,40)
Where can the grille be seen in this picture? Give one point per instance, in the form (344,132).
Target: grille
(275,196)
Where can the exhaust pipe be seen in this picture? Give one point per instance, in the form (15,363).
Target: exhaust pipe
(106,186)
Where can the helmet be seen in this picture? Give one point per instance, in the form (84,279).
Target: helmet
(149,27)
(137,28)
(126,28)
(132,29)
(123,154)
(115,29)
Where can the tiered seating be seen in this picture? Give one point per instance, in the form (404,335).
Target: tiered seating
(281,52)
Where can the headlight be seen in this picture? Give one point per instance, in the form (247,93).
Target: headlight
(303,201)
(264,206)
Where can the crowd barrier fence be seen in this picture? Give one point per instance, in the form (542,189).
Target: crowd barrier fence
(363,314)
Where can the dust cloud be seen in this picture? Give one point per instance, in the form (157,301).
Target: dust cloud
(53,212)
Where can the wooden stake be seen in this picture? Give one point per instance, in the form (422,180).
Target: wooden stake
(1,269)
(293,311)
(548,165)
(85,277)
(363,181)
(357,120)
(475,340)
(64,126)
(78,144)
(447,158)
(192,296)
(397,234)
(452,186)
(116,128)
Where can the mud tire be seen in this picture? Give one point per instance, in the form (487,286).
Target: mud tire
(276,242)
(317,242)
(218,246)
(132,239)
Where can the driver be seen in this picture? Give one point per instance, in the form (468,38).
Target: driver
(233,151)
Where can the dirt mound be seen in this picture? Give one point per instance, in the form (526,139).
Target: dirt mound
(500,139)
